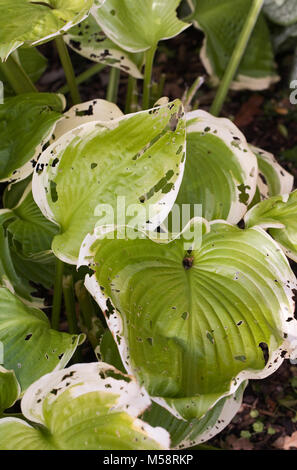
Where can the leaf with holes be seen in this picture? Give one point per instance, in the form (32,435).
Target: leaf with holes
(222,21)
(273,179)
(279,216)
(104,170)
(33,22)
(85,407)
(28,340)
(26,123)
(88,40)
(9,388)
(185,434)
(190,315)
(221,170)
(138,26)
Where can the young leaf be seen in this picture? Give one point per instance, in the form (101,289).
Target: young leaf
(31,347)
(191,323)
(273,179)
(85,407)
(279,215)
(91,172)
(9,389)
(88,40)
(222,21)
(138,26)
(26,123)
(33,22)
(221,170)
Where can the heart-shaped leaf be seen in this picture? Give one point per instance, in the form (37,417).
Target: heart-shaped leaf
(222,21)
(279,215)
(138,26)
(34,22)
(28,340)
(9,389)
(191,320)
(26,123)
(221,170)
(85,407)
(88,40)
(93,173)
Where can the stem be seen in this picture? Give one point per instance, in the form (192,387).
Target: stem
(68,291)
(16,75)
(56,311)
(236,57)
(89,317)
(68,69)
(130,94)
(83,77)
(149,60)
(113,85)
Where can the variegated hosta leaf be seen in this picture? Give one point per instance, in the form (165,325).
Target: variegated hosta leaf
(279,215)
(93,110)
(85,407)
(94,172)
(222,21)
(273,179)
(221,170)
(282,12)
(190,323)
(186,434)
(9,389)
(34,22)
(88,40)
(31,233)
(31,347)
(26,123)
(138,26)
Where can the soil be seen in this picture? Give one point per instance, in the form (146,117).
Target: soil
(268,416)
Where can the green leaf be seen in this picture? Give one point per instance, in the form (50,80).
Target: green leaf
(273,179)
(138,26)
(85,407)
(9,389)
(282,12)
(221,170)
(33,22)
(31,347)
(190,319)
(185,434)
(279,215)
(26,123)
(91,172)
(31,232)
(88,40)
(222,21)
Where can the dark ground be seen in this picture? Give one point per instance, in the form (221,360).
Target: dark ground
(268,416)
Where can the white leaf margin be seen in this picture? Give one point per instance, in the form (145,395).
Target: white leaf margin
(225,130)
(81,379)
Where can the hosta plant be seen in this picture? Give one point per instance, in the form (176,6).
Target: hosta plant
(165,232)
